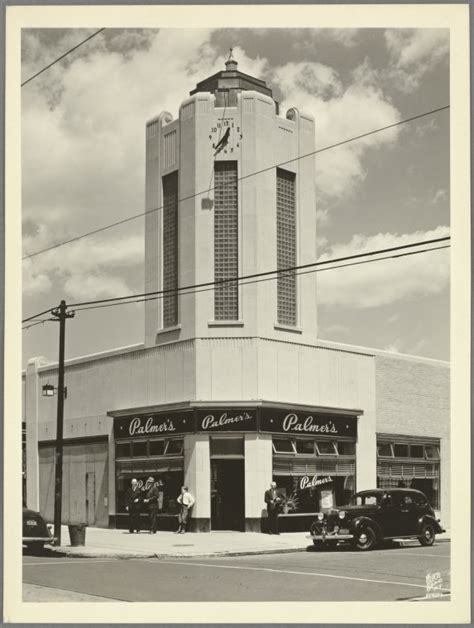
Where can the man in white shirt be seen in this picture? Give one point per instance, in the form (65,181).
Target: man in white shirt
(186,502)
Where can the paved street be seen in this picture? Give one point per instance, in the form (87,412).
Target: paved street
(398,573)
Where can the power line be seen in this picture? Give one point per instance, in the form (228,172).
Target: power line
(42,321)
(246,283)
(30,318)
(247,176)
(62,57)
(133,297)
(190,290)
(290,269)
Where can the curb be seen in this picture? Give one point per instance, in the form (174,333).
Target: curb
(66,553)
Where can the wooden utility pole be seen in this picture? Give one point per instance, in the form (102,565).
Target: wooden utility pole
(61,315)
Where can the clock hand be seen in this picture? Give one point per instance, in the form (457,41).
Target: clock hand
(222,142)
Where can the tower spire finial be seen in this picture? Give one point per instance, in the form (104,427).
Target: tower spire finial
(231,63)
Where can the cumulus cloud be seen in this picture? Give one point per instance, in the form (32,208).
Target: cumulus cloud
(414,53)
(309,38)
(341,112)
(83,130)
(86,269)
(387,281)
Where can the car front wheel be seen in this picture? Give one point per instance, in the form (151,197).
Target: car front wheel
(365,539)
(427,534)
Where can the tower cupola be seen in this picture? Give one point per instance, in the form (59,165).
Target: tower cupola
(226,84)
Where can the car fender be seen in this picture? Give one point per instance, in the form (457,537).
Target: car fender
(429,519)
(364,522)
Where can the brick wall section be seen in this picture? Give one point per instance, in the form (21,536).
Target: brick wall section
(412,397)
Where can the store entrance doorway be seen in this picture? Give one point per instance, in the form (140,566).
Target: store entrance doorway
(227,495)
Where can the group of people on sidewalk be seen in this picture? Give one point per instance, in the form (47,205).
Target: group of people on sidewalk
(147,500)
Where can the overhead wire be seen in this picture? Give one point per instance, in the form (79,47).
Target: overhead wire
(30,318)
(41,322)
(242,178)
(255,281)
(28,80)
(290,269)
(132,298)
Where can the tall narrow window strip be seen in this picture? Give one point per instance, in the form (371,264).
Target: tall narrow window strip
(286,247)
(170,249)
(226,237)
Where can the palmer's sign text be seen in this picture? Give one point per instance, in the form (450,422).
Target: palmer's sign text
(225,420)
(162,424)
(292,423)
(301,423)
(307,482)
(143,427)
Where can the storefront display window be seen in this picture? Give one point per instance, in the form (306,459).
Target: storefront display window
(431,452)
(305,447)
(326,448)
(385,450)
(157,447)
(162,459)
(411,464)
(283,445)
(123,450)
(140,448)
(400,451)
(416,451)
(313,474)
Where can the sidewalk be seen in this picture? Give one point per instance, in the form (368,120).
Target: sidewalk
(105,543)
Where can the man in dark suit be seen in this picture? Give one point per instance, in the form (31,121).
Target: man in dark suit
(134,506)
(273,502)
(151,500)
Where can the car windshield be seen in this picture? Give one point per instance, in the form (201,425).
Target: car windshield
(366,499)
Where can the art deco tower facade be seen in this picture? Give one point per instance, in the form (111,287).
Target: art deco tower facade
(218,208)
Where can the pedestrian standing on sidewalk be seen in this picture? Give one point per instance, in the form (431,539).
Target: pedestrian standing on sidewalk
(134,506)
(273,502)
(186,502)
(151,500)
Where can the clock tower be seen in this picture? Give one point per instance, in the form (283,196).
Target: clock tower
(230,193)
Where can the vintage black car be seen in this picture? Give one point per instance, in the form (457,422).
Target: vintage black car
(35,531)
(377,515)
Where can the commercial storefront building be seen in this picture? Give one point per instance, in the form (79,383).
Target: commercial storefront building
(231,387)
(319,454)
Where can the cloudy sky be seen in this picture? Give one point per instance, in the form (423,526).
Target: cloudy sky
(83,152)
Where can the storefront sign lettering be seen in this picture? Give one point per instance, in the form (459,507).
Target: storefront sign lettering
(219,420)
(292,423)
(169,423)
(210,421)
(136,427)
(289,421)
(307,482)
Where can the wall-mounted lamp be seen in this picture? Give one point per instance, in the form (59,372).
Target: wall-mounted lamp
(49,390)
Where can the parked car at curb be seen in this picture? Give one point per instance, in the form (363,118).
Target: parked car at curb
(377,515)
(35,531)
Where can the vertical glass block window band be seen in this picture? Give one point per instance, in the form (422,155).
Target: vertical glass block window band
(170,248)
(226,241)
(286,247)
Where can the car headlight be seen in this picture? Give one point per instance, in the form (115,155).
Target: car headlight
(320,516)
(342,514)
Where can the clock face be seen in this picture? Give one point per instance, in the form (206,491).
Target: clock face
(225,136)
